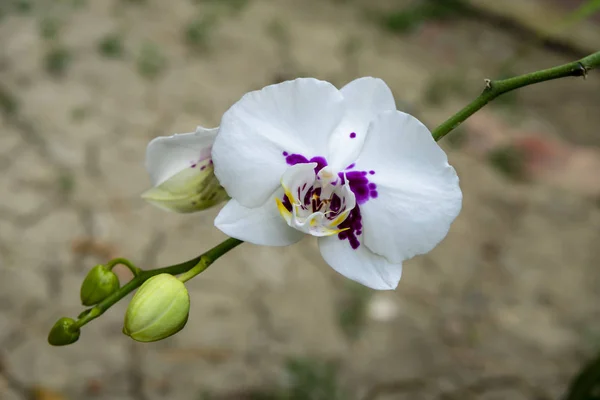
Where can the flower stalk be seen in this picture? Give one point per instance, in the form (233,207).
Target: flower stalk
(494,89)
(193,267)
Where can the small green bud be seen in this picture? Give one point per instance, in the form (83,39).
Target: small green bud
(63,332)
(159,309)
(99,283)
(193,189)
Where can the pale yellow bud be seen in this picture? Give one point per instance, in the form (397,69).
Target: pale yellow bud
(158,310)
(190,190)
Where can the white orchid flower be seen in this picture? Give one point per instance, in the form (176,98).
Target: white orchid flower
(182,172)
(302,157)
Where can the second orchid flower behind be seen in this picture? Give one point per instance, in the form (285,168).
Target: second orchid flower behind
(182,173)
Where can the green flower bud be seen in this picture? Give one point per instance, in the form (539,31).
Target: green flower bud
(99,283)
(189,190)
(63,332)
(159,309)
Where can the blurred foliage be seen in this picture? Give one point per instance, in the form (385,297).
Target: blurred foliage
(586,383)
(586,10)
(352,309)
(307,379)
(510,161)
(49,28)
(457,139)
(79,114)
(233,6)
(410,18)
(198,32)
(9,104)
(111,46)
(440,87)
(57,60)
(151,61)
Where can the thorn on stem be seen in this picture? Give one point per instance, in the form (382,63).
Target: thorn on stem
(581,70)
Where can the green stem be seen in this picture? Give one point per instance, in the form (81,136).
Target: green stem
(200,267)
(494,89)
(193,267)
(205,260)
(123,261)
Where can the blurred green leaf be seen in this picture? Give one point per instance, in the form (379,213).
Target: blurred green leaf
(586,384)
(111,46)
(151,62)
(57,60)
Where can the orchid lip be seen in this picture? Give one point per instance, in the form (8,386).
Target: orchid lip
(314,203)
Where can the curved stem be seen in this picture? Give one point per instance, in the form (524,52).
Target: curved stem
(205,260)
(123,261)
(193,267)
(494,89)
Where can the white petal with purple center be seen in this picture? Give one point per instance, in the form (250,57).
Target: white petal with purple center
(294,117)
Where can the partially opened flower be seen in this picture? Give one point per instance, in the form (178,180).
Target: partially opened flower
(302,157)
(182,173)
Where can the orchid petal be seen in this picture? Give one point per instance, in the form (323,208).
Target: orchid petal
(417,194)
(265,126)
(364,98)
(361,264)
(168,155)
(262,225)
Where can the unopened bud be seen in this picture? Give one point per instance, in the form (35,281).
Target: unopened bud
(63,332)
(99,283)
(193,189)
(159,309)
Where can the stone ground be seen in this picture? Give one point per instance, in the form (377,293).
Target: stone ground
(505,307)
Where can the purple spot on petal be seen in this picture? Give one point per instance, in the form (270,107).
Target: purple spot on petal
(372,172)
(352,135)
(285,153)
(203,168)
(374,194)
(193,165)
(293,159)
(372,186)
(350,166)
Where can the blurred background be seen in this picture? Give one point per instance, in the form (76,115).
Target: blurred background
(507,307)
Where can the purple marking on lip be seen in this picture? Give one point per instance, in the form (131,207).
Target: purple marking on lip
(354,224)
(359,184)
(352,135)
(202,168)
(293,159)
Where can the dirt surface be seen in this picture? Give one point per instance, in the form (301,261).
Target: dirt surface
(509,301)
